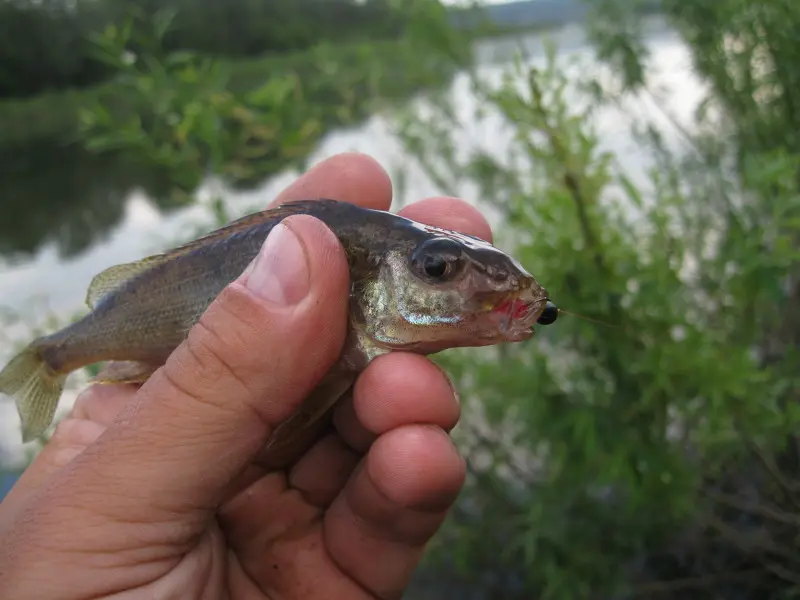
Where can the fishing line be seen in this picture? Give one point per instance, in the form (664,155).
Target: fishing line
(561,310)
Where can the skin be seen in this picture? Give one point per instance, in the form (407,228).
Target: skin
(349,520)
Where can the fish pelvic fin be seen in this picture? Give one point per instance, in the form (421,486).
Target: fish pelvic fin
(118,372)
(35,388)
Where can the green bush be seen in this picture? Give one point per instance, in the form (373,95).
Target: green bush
(653,455)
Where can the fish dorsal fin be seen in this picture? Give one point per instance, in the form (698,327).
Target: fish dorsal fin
(277,213)
(115,277)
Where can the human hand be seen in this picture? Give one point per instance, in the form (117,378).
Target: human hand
(156,492)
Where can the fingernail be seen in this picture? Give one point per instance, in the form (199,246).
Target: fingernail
(279,273)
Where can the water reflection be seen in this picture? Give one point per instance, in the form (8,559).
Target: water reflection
(63,196)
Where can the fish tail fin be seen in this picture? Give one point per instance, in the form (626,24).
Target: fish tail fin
(35,388)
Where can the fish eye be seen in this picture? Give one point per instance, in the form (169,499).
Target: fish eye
(437,259)
(549,314)
(435,266)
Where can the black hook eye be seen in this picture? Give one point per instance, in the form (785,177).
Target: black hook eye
(549,314)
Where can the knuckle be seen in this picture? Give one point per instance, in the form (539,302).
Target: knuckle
(218,351)
(63,431)
(76,432)
(82,407)
(65,454)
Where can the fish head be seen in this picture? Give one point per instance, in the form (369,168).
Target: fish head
(444,289)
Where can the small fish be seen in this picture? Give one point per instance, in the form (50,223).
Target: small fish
(414,288)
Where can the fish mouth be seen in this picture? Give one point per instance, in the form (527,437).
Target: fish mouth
(516,316)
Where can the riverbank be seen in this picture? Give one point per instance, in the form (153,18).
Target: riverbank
(55,190)
(357,72)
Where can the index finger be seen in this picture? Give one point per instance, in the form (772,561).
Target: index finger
(350,177)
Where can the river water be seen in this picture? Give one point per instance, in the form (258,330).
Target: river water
(46,280)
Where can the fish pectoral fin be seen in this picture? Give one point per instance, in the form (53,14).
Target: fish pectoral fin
(126,371)
(299,429)
(115,277)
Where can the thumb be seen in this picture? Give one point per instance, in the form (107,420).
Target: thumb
(258,350)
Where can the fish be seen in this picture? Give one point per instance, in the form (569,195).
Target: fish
(413,288)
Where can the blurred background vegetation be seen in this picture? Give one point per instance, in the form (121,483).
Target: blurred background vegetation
(640,157)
